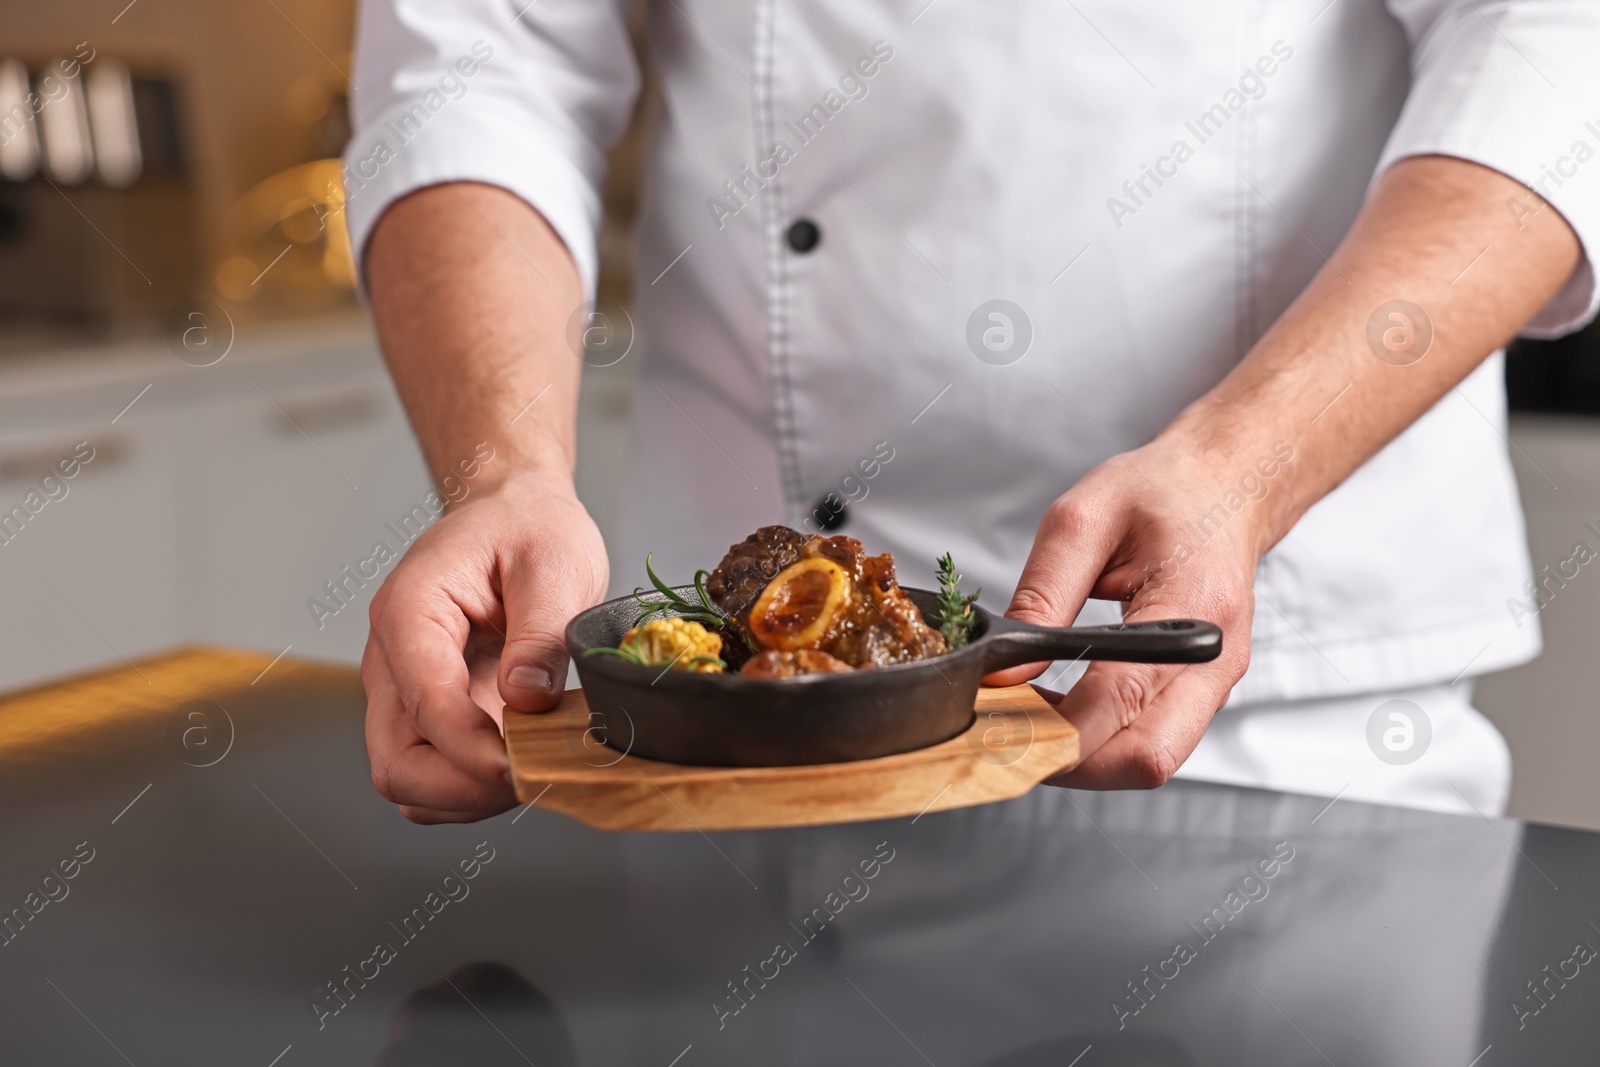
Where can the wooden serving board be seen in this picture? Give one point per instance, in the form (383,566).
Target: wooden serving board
(1016,741)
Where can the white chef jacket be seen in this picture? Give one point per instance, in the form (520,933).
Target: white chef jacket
(1150,183)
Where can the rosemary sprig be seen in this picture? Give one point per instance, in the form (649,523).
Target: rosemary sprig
(635,655)
(706,613)
(955,607)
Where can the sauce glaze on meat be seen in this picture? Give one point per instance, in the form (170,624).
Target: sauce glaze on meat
(874,624)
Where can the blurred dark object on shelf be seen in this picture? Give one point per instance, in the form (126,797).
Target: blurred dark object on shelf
(86,140)
(1560,377)
(321,105)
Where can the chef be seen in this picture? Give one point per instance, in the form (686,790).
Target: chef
(1145,310)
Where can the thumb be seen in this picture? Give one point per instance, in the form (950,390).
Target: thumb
(533,665)
(1067,559)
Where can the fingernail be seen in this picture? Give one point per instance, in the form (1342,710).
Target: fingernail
(527,677)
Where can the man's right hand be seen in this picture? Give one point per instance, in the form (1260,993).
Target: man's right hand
(473,618)
(471,293)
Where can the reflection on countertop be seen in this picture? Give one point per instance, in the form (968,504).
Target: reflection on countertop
(248,896)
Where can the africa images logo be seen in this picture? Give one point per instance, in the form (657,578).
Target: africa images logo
(1399,333)
(1399,732)
(999,332)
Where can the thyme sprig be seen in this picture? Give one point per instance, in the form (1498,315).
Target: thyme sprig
(955,607)
(706,613)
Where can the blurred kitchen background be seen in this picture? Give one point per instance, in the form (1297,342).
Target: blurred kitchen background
(175,289)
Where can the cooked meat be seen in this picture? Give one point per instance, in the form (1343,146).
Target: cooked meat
(792,664)
(791,593)
(750,565)
(889,627)
(735,649)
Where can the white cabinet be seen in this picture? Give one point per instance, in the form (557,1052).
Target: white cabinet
(297,491)
(214,507)
(92,576)
(223,498)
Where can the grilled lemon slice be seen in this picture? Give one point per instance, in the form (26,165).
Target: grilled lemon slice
(799,606)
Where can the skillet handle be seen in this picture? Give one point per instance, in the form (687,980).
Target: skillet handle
(1012,643)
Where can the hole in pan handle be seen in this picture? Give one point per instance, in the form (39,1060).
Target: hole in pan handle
(1012,643)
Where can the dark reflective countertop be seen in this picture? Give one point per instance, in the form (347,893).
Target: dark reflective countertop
(242,896)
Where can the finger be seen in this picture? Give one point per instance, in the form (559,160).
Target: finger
(533,665)
(431,817)
(1139,722)
(1150,750)
(389,730)
(1111,697)
(1070,550)
(420,776)
(1024,672)
(421,636)
(406,769)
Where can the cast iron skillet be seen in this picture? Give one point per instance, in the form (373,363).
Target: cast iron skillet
(724,720)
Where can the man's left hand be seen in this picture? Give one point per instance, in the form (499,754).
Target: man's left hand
(1131,531)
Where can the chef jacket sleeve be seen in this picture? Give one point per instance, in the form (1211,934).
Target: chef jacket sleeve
(526,96)
(1514,85)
